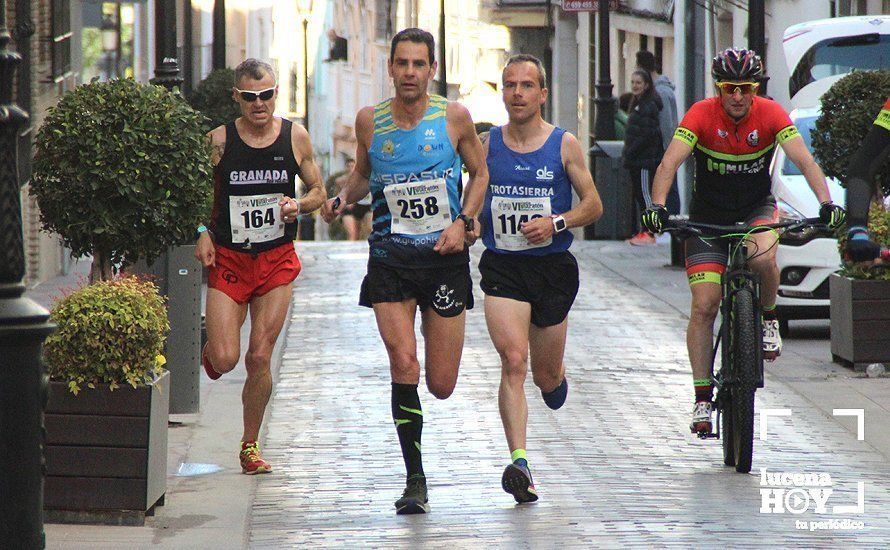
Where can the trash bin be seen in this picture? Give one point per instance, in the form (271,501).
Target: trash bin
(178,276)
(613,184)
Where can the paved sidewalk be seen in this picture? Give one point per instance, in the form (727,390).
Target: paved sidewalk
(616,467)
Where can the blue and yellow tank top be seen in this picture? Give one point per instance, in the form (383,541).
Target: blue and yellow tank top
(415,176)
(523,187)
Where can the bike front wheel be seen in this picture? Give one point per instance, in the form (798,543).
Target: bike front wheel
(743,341)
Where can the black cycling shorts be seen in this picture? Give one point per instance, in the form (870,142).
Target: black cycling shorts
(549,283)
(706,259)
(447,289)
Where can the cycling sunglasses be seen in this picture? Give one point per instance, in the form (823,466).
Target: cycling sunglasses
(250,97)
(730,88)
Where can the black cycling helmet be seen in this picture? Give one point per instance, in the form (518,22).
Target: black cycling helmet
(737,64)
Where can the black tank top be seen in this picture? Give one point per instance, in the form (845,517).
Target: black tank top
(248,183)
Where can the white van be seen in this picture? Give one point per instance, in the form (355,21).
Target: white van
(818,54)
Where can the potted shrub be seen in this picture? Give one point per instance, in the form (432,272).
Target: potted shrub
(106,415)
(122,171)
(213,98)
(860,296)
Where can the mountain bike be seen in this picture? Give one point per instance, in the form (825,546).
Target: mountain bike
(740,339)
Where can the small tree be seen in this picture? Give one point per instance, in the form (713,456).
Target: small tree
(849,109)
(213,97)
(122,172)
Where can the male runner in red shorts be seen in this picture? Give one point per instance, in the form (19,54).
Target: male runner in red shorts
(248,243)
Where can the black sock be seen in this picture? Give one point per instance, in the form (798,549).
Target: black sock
(408,418)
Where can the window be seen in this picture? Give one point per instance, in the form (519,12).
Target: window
(61,39)
(382,21)
(805,126)
(841,55)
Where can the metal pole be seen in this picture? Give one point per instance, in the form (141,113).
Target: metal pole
(443,76)
(757,34)
(306,72)
(219,34)
(23,327)
(166,63)
(605,103)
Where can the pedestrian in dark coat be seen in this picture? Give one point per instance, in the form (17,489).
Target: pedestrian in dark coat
(643,147)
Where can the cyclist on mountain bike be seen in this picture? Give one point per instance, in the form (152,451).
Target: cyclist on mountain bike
(732,137)
(864,165)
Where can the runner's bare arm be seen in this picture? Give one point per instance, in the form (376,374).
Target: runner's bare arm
(315,193)
(590,207)
(677,152)
(796,150)
(204,251)
(357,184)
(217,138)
(473,155)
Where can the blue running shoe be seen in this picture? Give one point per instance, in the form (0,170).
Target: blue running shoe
(517,480)
(557,397)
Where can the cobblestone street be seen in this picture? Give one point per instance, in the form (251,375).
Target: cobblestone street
(616,467)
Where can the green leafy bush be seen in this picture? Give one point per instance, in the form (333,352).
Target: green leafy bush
(109,332)
(849,109)
(122,172)
(213,98)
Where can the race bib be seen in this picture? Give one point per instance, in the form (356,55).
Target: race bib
(418,207)
(508,215)
(256,218)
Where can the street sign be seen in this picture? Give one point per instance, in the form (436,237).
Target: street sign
(587,5)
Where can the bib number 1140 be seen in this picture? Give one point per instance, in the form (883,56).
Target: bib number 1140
(417,208)
(511,224)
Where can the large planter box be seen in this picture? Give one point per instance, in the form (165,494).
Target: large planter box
(860,321)
(106,453)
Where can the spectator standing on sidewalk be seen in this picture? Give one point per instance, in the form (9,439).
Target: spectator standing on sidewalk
(356,217)
(248,242)
(667,117)
(642,145)
(529,277)
(409,153)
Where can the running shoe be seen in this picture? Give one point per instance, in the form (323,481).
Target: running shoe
(205,362)
(642,239)
(517,480)
(414,498)
(772,340)
(251,461)
(701,417)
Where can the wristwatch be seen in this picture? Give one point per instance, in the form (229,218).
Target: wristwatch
(469,222)
(559,223)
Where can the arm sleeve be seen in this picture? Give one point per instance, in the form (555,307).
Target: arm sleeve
(690,127)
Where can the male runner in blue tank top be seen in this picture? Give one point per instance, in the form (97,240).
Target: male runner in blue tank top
(248,244)
(409,153)
(529,277)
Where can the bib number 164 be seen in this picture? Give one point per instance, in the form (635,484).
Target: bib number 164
(254,219)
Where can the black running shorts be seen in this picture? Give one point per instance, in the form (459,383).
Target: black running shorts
(549,283)
(447,289)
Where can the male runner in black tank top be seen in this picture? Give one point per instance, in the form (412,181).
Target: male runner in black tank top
(248,244)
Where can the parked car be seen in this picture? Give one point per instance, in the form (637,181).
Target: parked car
(818,54)
(805,258)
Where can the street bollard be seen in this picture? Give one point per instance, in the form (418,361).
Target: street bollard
(23,327)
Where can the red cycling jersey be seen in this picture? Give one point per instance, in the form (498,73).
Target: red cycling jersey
(732,158)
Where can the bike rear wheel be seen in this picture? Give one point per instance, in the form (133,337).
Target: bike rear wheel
(727,432)
(743,351)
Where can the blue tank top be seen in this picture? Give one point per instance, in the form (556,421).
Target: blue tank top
(522,187)
(415,177)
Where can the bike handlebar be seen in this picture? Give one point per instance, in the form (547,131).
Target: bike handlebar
(678,225)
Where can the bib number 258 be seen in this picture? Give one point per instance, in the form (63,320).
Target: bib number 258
(417,208)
